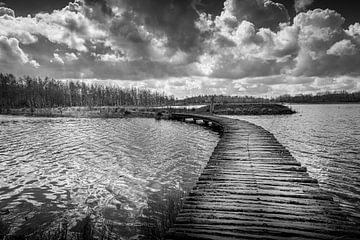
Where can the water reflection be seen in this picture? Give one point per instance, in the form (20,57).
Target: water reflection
(53,169)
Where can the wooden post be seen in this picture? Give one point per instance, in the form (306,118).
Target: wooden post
(212,105)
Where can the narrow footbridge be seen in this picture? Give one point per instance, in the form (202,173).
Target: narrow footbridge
(253,188)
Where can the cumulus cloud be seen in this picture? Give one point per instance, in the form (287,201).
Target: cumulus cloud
(68,26)
(185,47)
(13,27)
(354,32)
(323,39)
(6,11)
(11,53)
(343,48)
(242,49)
(316,44)
(262,13)
(10,50)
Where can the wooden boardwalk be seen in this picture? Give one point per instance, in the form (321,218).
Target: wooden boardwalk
(252,188)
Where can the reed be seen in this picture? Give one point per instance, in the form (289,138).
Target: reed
(161,214)
(85,231)
(158,217)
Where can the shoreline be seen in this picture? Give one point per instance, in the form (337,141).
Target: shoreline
(80,112)
(161,112)
(320,103)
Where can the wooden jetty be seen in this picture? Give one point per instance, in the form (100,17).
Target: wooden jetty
(253,188)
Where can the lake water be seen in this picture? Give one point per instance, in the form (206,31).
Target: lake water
(325,139)
(53,169)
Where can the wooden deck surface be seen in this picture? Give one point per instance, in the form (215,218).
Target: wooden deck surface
(253,188)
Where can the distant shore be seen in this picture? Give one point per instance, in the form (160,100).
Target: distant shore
(150,112)
(248,109)
(322,103)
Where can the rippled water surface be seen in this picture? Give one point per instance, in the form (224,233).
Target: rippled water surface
(58,168)
(326,139)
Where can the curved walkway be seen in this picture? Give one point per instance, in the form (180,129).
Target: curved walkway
(253,188)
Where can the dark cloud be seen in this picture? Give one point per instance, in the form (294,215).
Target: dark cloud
(174,19)
(262,13)
(24,8)
(104,6)
(126,37)
(187,46)
(301,5)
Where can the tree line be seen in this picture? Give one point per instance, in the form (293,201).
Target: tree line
(325,97)
(40,93)
(206,99)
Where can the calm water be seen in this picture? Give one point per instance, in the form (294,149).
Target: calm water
(51,169)
(325,139)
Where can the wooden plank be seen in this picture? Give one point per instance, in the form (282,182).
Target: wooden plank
(253,188)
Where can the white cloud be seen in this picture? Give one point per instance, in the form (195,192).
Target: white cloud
(262,13)
(111,58)
(354,32)
(57,59)
(11,53)
(17,28)
(251,47)
(308,47)
(6,11)
(342,48)
(34,63)
(68,26)
(10,50)
(71,57)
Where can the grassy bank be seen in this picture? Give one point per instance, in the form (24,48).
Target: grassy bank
(82,112)
(119,112)
(250,109)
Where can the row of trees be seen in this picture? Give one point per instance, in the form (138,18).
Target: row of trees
(39,93)
(205,99)
(325,97)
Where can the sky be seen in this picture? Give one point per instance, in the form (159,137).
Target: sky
(187,47)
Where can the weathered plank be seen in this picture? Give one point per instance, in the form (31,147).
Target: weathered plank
(253,188)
